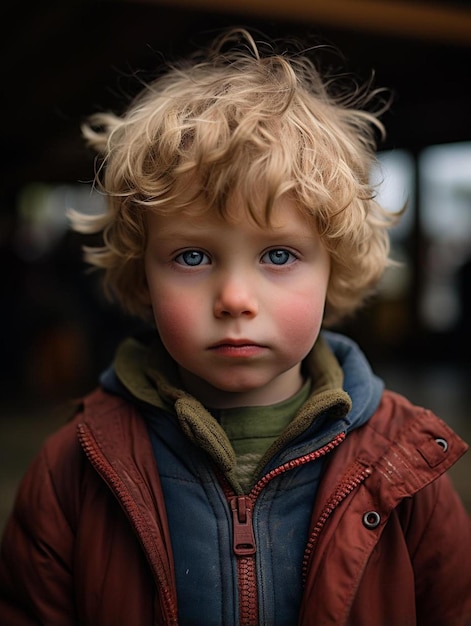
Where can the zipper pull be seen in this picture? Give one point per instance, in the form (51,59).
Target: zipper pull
(243,535)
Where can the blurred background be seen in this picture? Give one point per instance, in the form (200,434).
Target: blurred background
(62,61)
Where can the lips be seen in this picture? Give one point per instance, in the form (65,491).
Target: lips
(237,348)
(235,342)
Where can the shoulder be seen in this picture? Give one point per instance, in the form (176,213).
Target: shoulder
(409,428)
(60,471)
(404,447)
(409,451)
(101,410)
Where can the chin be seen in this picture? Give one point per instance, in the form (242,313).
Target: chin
(231,387)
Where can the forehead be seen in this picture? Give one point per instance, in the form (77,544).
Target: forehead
(197,217)
(259,203)
(231,195)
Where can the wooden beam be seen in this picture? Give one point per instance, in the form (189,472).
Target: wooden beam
(415,20)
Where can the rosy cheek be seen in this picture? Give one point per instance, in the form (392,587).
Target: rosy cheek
(170,320)
(173,314)
(301,319)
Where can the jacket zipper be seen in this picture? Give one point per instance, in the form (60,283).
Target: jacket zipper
(351,481)
(243,545)
(243,539)
(107,472)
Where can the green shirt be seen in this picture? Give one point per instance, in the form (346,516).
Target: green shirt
(252,430)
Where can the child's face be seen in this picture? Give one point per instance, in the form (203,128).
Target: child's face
(238,306)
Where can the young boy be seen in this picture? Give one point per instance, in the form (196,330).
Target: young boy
(237,464)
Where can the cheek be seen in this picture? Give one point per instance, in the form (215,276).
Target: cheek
(172,323)
(176,315)
(171,319)
(301,311)
(301,318)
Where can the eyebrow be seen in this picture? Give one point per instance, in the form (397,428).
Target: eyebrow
(173,241)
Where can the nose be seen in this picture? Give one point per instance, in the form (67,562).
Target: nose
(235,297)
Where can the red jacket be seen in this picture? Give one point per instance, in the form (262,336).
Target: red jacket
(390,542)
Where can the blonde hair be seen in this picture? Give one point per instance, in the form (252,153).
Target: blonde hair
(263,124)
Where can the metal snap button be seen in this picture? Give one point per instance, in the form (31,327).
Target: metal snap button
(371,520)
(443,443)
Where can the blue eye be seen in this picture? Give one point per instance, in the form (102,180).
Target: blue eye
(278,256)
(192,258)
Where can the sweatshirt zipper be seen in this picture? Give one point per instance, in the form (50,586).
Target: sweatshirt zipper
(357,474)
(112,479)
(243,539)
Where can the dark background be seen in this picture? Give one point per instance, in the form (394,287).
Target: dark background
(64,60)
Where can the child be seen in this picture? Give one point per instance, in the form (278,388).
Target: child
(237,464)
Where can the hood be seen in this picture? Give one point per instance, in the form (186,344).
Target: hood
(362,385)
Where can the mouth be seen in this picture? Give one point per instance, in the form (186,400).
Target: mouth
(235,343)
(237,348)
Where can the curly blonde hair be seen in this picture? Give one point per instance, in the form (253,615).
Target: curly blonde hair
(236,119)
